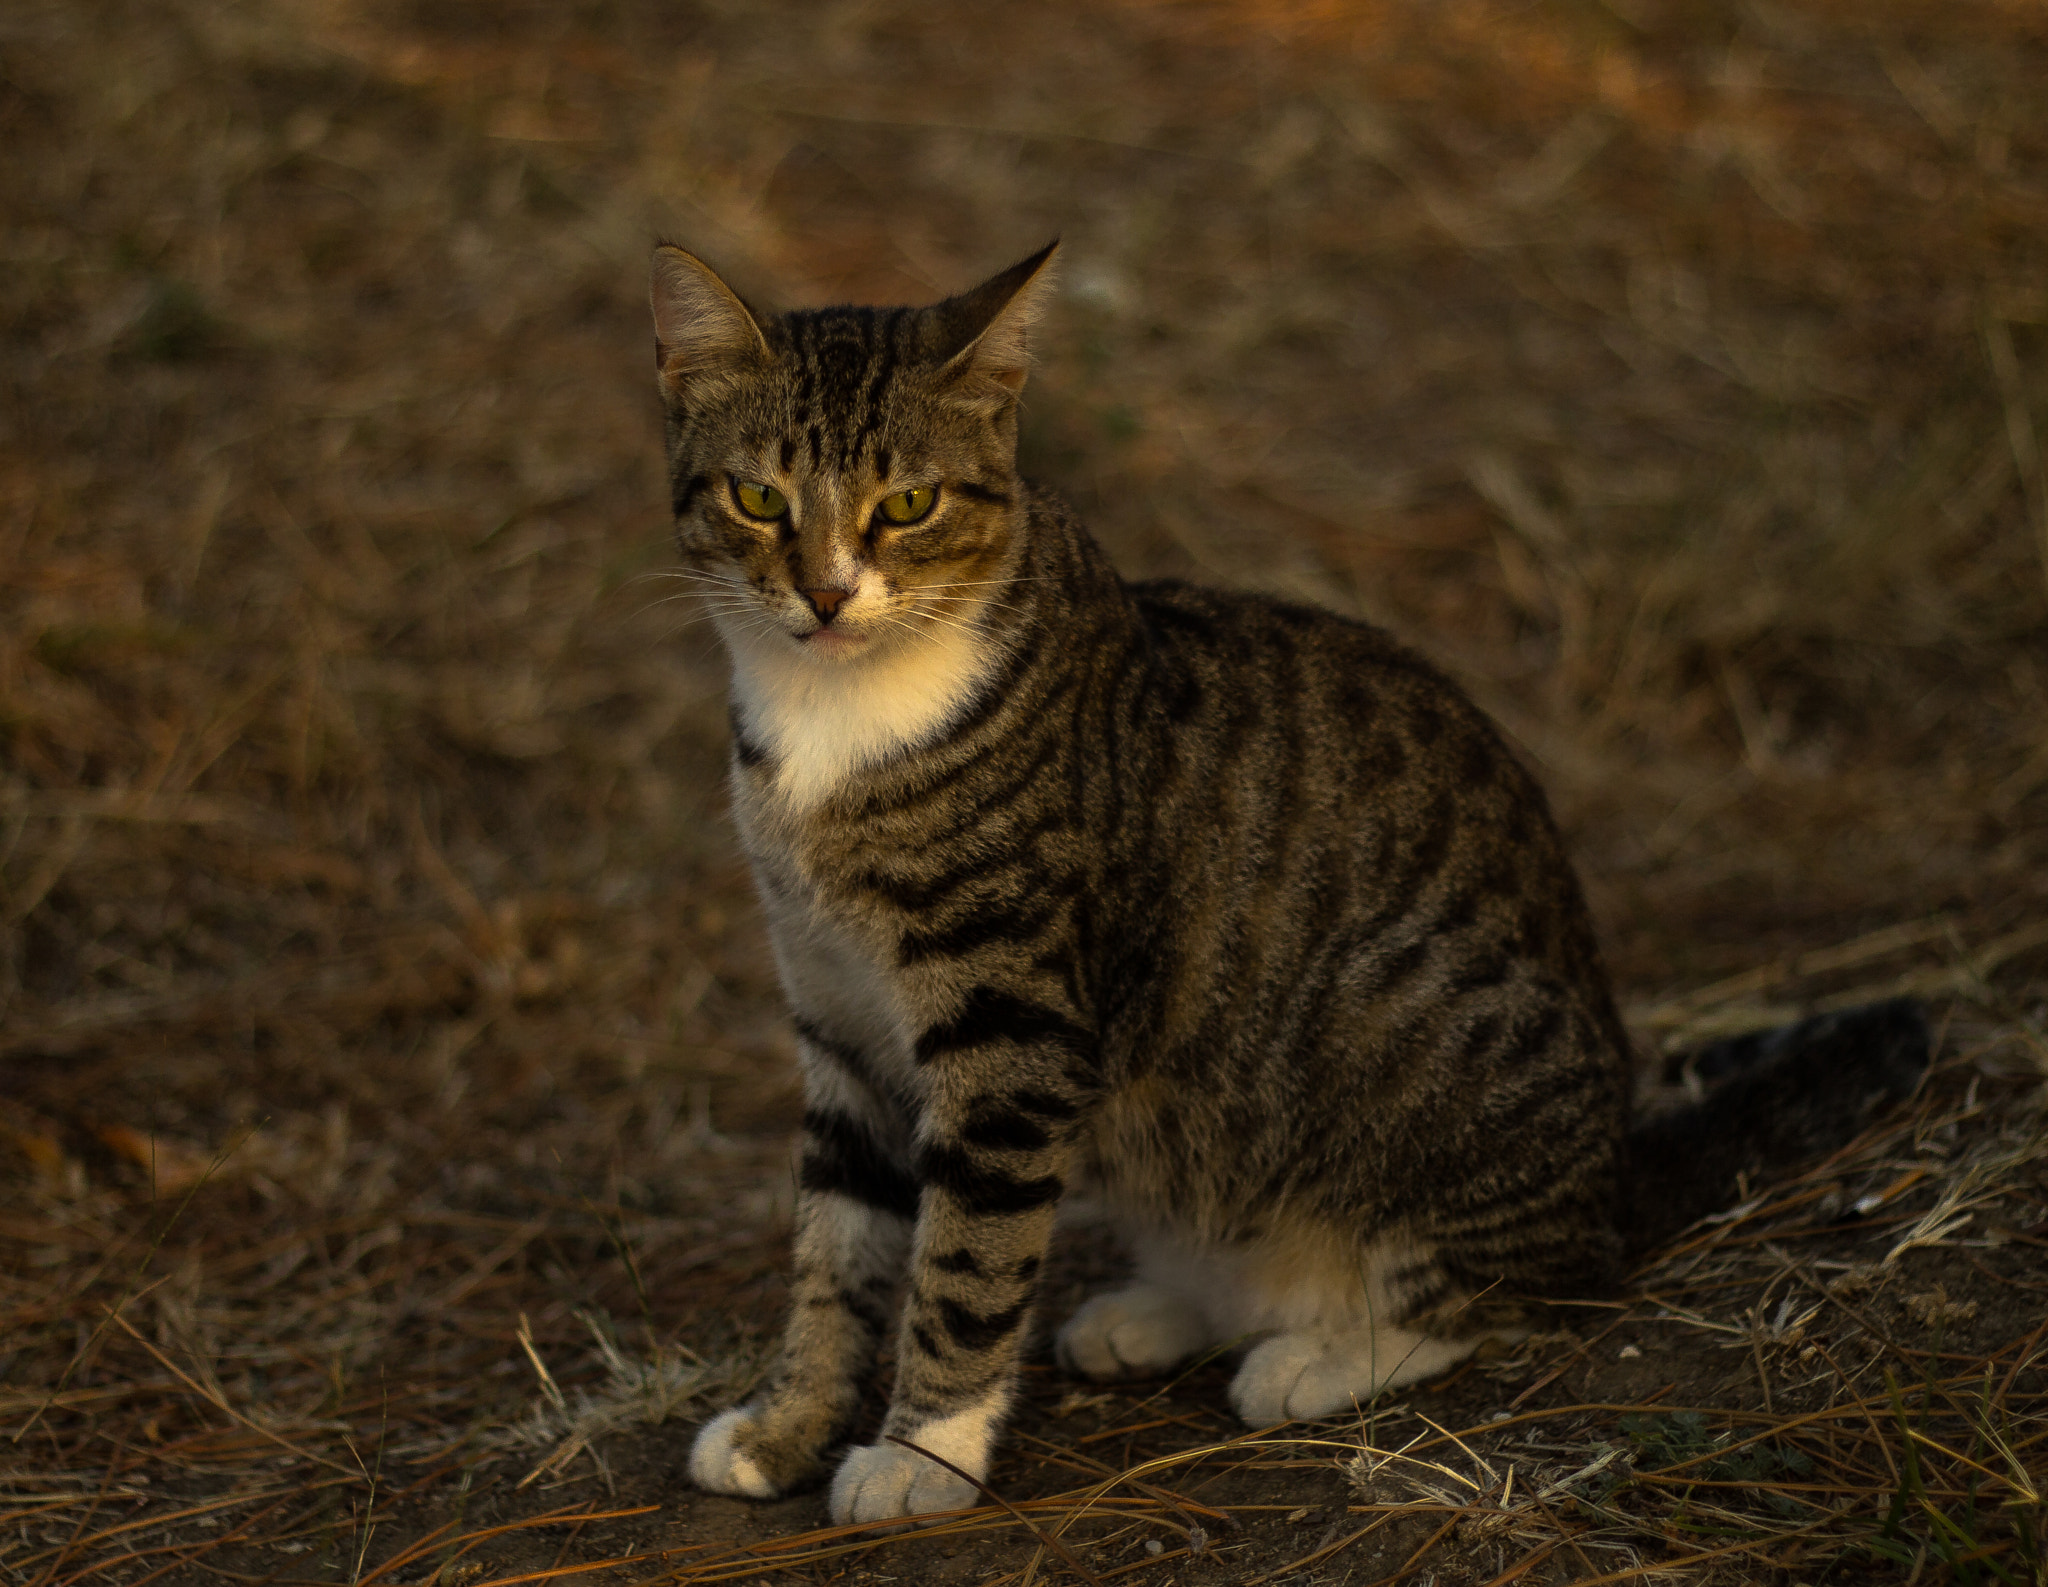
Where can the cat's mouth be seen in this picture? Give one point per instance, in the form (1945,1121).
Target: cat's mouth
(831,641)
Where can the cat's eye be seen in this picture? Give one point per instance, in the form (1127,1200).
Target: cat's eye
(907,506)
(764,502)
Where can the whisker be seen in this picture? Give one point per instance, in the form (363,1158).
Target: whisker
(984,606)
(687,622)
(951,589)
(724,580)
(945,589)
(1018,578)
(940,620)
(689,576)
(712,605)
(708,595)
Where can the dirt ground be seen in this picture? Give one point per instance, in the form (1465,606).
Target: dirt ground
(395,1104)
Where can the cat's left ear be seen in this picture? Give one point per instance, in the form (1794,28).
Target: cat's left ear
(986,332)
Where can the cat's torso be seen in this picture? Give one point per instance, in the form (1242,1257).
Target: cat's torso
(1312,912)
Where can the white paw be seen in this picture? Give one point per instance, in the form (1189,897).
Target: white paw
(886,1482)
(1271,1374)
(1131,1332)
(717,1467)
(1302,1376)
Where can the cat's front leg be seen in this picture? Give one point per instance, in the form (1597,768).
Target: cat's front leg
(992,1164)
(854,1212)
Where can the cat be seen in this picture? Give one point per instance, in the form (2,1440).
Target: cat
(1237,914)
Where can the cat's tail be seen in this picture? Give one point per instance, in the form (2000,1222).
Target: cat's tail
(1763,1101)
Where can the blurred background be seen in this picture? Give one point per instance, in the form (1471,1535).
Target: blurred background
(376,963)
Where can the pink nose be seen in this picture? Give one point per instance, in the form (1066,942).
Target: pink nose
(825,602)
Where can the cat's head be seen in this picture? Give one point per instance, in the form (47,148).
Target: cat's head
(844,479)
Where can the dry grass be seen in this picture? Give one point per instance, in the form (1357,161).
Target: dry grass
(382,1004)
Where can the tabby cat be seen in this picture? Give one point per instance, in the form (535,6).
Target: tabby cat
(1236,914)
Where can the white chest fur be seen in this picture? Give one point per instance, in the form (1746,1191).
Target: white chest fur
(836,981)
(822,718)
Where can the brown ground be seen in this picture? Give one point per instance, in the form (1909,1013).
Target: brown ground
(379,982)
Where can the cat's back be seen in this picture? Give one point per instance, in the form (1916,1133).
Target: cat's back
(1310,803)
(1330,730)
(1254,665)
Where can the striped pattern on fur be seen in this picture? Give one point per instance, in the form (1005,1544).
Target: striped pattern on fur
(1235,913)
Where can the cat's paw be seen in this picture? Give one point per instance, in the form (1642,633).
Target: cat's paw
(1131,1332)
(886,1482)
(1300,1376)
(1289,1376)
(720,1461)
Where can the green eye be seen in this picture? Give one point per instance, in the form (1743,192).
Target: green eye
(907,506)
(764,502)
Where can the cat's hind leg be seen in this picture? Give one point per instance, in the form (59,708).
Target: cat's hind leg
(1155,1322)
(1137,1331)
(1300,1376)
(1343,1325)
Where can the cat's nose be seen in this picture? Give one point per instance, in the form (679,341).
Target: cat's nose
(825,602)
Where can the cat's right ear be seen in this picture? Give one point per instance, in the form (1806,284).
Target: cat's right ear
(701,328)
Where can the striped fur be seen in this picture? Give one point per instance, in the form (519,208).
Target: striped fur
(1235,914)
